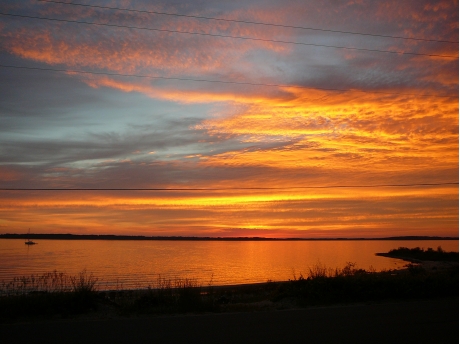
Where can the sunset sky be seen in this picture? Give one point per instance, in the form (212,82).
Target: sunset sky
(315,122)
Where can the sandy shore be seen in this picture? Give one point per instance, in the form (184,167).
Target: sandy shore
(426,321)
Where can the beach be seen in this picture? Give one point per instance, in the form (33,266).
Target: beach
(417,321)
(271,312)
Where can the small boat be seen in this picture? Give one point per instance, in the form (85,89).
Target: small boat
(30,242)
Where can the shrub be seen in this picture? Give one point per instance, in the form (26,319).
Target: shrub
(46,295)
(421,254)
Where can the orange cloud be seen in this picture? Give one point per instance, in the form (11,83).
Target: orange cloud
(261,212)
(184,95)
(349,130)
(128,50)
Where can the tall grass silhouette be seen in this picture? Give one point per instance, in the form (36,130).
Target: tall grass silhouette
(57,294)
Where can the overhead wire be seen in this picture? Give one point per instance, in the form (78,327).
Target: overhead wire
(235,188)
(249,22)
(228,36)
(220,81)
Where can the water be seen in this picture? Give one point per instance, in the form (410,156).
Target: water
(137,264)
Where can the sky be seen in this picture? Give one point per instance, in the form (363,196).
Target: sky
(311,119)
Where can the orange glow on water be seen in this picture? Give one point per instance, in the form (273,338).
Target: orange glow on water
(138,264)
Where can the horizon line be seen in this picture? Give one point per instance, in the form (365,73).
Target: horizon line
(69,236)
(234,188)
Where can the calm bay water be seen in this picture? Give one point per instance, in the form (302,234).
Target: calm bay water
(136,264)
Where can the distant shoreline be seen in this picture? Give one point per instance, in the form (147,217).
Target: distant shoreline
(185,238)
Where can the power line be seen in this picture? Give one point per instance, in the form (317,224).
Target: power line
(234,188)
(227,36)
(218,81)
(250,22)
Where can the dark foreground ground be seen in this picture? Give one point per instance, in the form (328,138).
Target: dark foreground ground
(426,321)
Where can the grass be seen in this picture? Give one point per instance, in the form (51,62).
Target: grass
(50,294)
(60,295)
(349,284)
(168,296)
